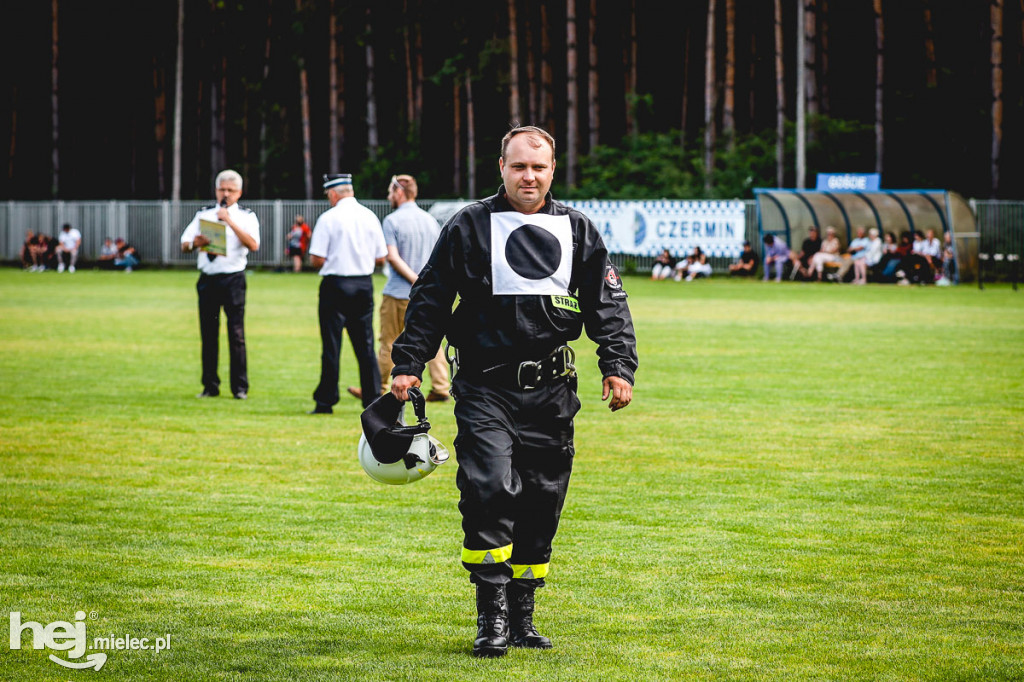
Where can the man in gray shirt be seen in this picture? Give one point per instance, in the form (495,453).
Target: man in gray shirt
(410,233)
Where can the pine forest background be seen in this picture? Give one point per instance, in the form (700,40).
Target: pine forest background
(646,99)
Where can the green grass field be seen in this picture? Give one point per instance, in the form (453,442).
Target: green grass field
(814,482)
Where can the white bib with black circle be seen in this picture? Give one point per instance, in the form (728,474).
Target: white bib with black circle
(530,254)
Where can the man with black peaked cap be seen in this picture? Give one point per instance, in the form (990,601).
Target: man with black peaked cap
(530,275)
(347,245)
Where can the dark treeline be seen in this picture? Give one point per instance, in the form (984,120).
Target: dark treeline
(87,103)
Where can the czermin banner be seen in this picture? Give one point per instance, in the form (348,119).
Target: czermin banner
(645,228)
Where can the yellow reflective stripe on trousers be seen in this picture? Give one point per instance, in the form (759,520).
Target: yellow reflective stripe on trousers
(529,570)
(486,556)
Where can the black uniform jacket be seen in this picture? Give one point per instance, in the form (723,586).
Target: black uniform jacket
(490,330)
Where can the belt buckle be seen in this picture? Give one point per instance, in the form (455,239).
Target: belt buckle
(568,361)
(536,378)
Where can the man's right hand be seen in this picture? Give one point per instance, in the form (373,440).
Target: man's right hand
(401,384)
(200,241)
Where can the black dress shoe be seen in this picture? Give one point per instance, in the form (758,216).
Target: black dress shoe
(208,394)
(241,395)
(322,409)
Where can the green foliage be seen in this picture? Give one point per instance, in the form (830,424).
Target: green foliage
(656,166)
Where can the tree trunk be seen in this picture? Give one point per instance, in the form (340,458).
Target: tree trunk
(572,94)
(686,89)
(547,108)
(14,134)
(879,81)
(410,96)
(335,101)
(54,101)
(470,138)
(418,90)
(159,124)
(996,14)
(179,88)
(709,98)
(931,73)
(372,141)
(632,125)
(593,108)
(810,57)
(753,79)
(457,141)
(729,91)
(307,137)
(823,100)
(264,150)
(780,101)
(532,103)
(513,66)
(801,99)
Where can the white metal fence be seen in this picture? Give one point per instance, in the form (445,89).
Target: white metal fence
(154,227)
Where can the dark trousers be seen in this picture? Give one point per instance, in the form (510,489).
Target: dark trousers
(515,452)
(228,292)
(346,303)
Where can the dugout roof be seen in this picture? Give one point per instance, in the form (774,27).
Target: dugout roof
(790,212)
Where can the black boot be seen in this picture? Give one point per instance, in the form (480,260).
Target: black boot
(522,632)
(491,621)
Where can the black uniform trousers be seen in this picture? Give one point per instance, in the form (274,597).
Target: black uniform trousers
(515,452)
(347,303)
(228,292)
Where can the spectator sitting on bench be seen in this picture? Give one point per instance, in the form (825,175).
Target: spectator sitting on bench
(828,254)
(746,265)
(857,250)
(802,259)
(950,272)
(775,253)
(867,258)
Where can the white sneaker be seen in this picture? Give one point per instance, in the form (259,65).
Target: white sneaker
(60,268)
(128,269)
(71,268)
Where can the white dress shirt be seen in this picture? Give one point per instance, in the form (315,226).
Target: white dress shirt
(237,256)
(349,238)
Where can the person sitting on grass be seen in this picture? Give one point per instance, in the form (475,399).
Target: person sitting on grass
(108,254)
(746,264)
(662,265)
(127,256)
(698,265)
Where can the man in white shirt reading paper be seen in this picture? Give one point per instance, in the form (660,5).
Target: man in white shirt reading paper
(222,281)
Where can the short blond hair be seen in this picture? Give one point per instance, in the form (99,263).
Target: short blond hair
(407,184)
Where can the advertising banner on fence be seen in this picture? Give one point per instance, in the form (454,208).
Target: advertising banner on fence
(645,228)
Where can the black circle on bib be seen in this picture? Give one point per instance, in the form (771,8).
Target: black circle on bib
(533,252)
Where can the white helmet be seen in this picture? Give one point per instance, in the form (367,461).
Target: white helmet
(393,453)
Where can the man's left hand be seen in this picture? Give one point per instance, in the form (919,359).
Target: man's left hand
(620,390)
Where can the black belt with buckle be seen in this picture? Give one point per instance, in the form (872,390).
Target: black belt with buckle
(530,374)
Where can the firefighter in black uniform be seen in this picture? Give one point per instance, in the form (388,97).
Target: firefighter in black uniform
(530,274)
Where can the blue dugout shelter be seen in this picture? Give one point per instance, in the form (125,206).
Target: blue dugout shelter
(789,213)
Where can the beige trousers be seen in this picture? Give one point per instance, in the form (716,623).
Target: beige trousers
(392,322)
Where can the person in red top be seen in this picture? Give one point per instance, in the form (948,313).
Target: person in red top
(298,242)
